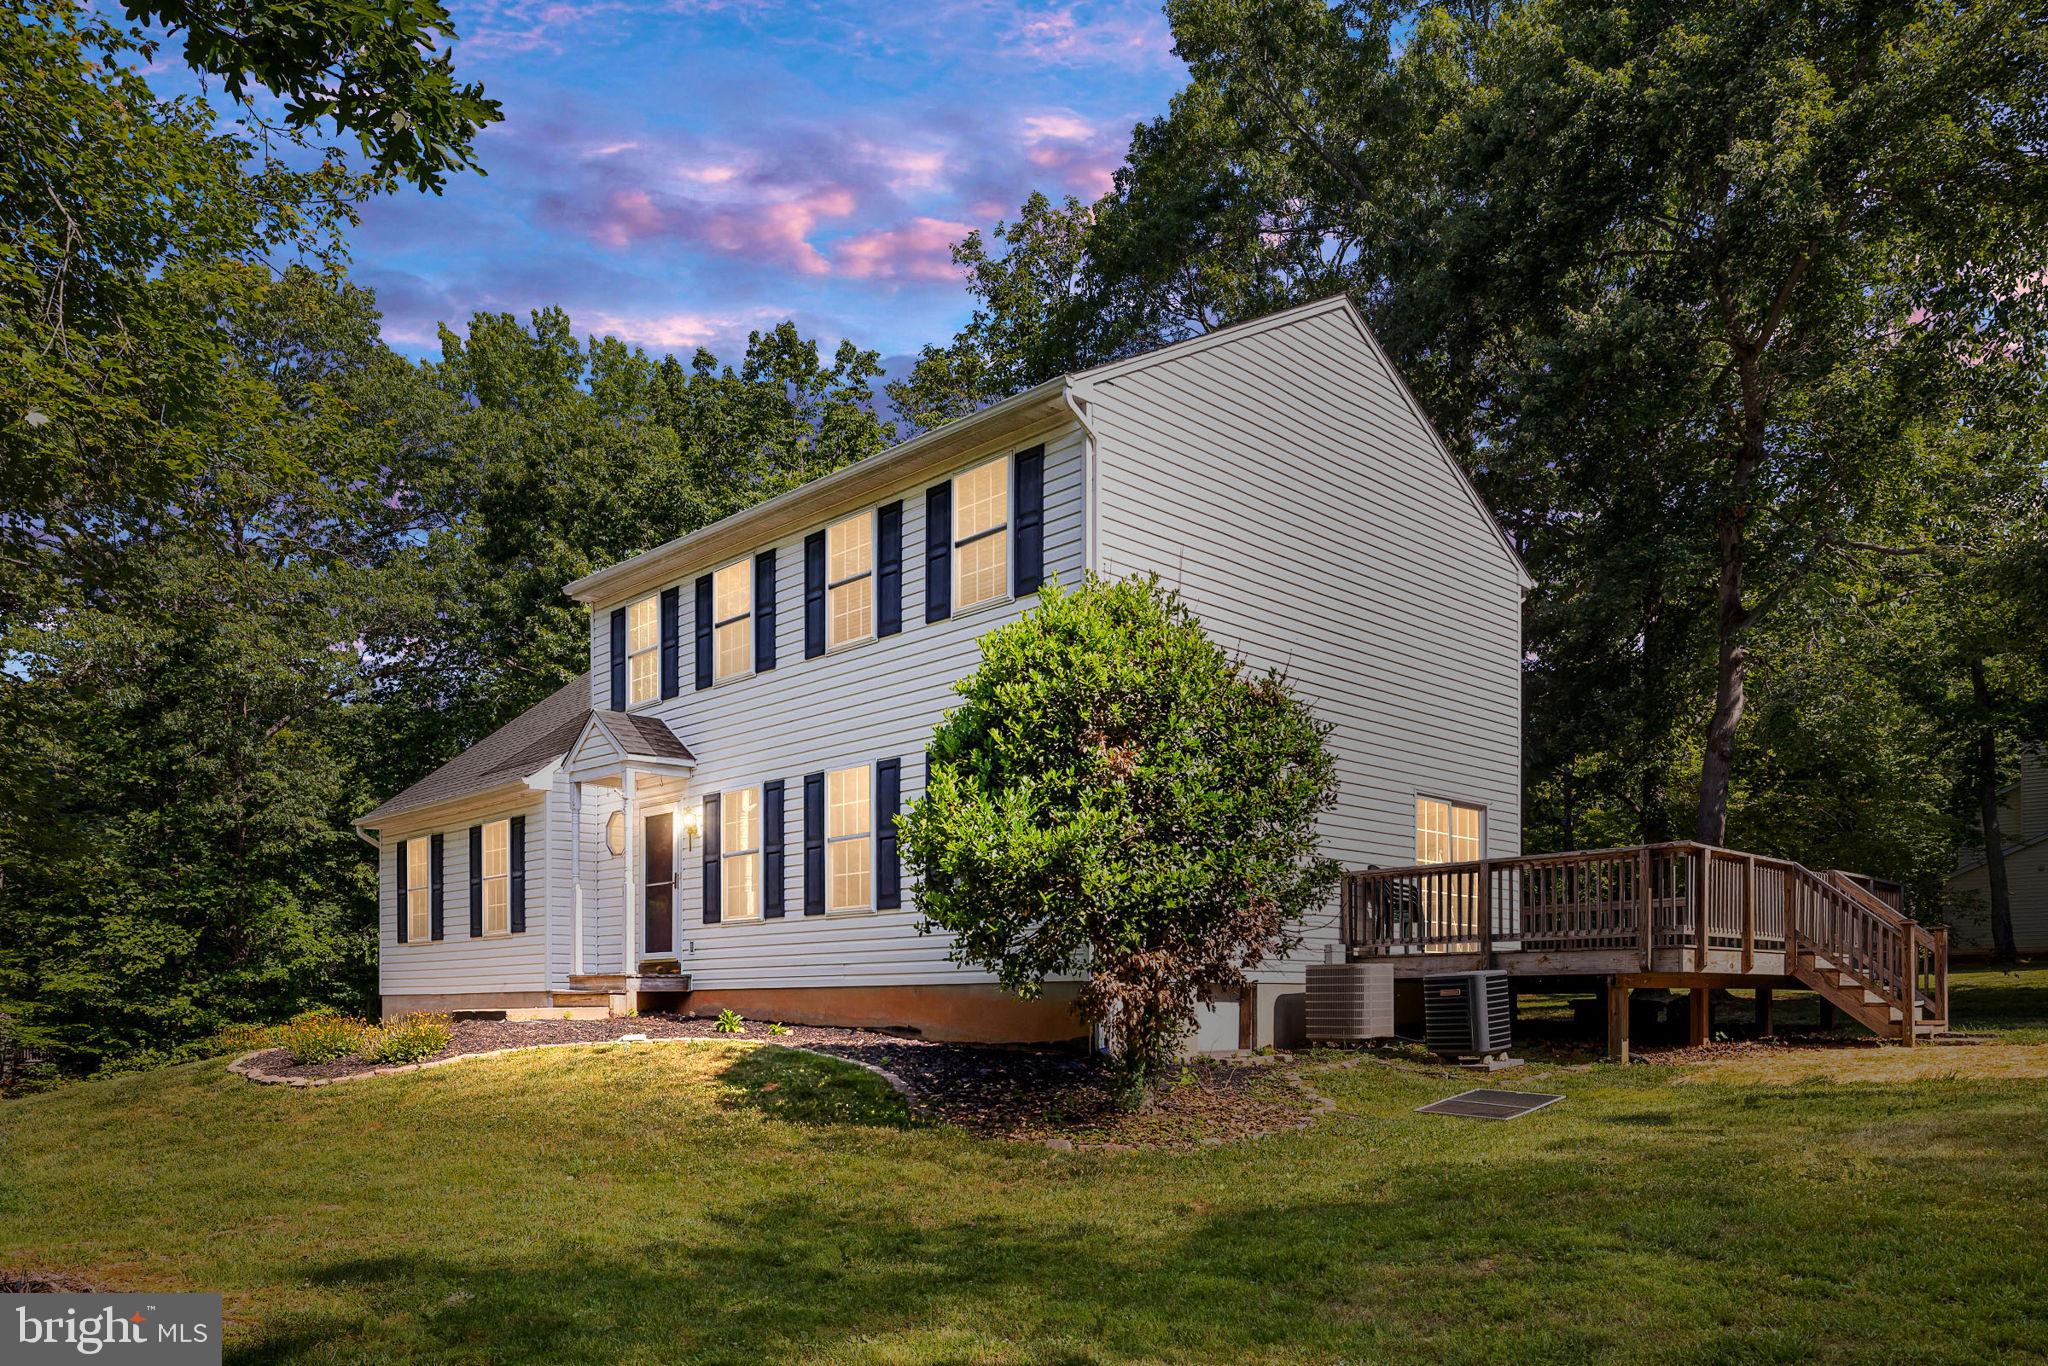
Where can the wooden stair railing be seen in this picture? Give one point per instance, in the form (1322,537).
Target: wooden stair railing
(1710,905)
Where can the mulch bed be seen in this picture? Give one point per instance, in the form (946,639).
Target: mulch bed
(1058,1096)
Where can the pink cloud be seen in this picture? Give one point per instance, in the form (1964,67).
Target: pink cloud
(920,249)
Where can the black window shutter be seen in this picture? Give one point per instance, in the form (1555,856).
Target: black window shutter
(814,595)
(671,641)
(771,850)
(1027,519)
(435,900)
(618,659)
(714,833)
(938,552)
(476,881)
(889,568)
(814,844)
(404,910)
(703,631)
(516,883)
(888,795)
(764,611)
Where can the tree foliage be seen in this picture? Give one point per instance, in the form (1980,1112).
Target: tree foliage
(1693,289)
(1116,797)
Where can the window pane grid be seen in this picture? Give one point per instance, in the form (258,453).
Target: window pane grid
(643,664)
(418,909)
(850,611)
(739,822)
(849,821)
(732,608)
(981,512)
(849,580)
(497,877)
(981,499)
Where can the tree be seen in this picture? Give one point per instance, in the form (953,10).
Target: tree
(371,70)
(1115,796)
(1683,284)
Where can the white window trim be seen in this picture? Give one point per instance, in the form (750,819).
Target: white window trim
(1001,529)
(874,564)
(759,852)
(869,838)
(486,879)
(652,648)
(753,646)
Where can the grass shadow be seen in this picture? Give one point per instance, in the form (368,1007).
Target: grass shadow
(804,1088)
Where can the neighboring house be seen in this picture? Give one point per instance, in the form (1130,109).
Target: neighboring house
(2023,819)
(706,818)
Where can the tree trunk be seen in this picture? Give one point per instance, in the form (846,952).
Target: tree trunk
(1717,765)
(2004,948)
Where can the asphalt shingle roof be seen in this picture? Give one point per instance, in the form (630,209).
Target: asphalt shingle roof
(526,744)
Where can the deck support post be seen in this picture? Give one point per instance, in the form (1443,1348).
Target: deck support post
(1763,1012)
(1702,1016)
(1617,1020)
(1827,1014)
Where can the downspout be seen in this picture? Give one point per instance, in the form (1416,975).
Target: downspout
(1090,482)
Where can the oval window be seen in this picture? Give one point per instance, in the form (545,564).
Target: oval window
(615,833)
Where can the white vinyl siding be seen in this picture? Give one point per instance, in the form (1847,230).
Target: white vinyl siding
(457,964)
(740,854)
(850,580)
(1278,477)
(844,709)
(981,550)
(732,617)
(849,839)
(643,651)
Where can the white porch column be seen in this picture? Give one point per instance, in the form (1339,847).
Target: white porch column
(629,941)
(576,877)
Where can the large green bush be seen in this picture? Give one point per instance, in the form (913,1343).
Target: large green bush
(1117,797)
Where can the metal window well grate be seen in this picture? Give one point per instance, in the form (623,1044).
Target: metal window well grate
(1485,1104)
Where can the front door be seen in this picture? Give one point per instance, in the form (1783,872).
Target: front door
(659,894)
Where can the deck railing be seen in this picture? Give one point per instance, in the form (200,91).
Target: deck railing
(1644,899)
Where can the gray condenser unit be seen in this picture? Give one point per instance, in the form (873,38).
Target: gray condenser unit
(1466,1014)
(1349,1002)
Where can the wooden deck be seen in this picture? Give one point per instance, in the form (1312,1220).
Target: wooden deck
(1679,915)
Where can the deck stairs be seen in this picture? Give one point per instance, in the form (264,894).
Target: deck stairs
(1868,961)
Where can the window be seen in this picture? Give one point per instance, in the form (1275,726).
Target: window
(1446,832)
(732,619)
(981,550)
(739,816)
(419,911)
(850,580)
(643,651)
(498,877)
(849,824)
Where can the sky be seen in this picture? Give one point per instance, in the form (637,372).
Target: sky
(679,173)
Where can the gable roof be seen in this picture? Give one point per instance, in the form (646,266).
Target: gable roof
(618,735)
(523,746)
(936,449)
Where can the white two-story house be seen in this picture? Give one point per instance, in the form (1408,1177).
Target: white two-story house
(706,819)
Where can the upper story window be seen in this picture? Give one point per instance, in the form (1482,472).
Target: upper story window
(981,550)
(418,909)
(850,580)
(732,619)
(849,826)
(739,814)
(643,651)
(497,877)
(1446,832)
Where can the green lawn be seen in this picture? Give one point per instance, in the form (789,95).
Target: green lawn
(716,1202)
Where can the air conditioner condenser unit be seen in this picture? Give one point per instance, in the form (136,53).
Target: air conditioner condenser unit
(1350,1002)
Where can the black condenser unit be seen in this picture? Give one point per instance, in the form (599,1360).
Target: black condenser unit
(1466,1014)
